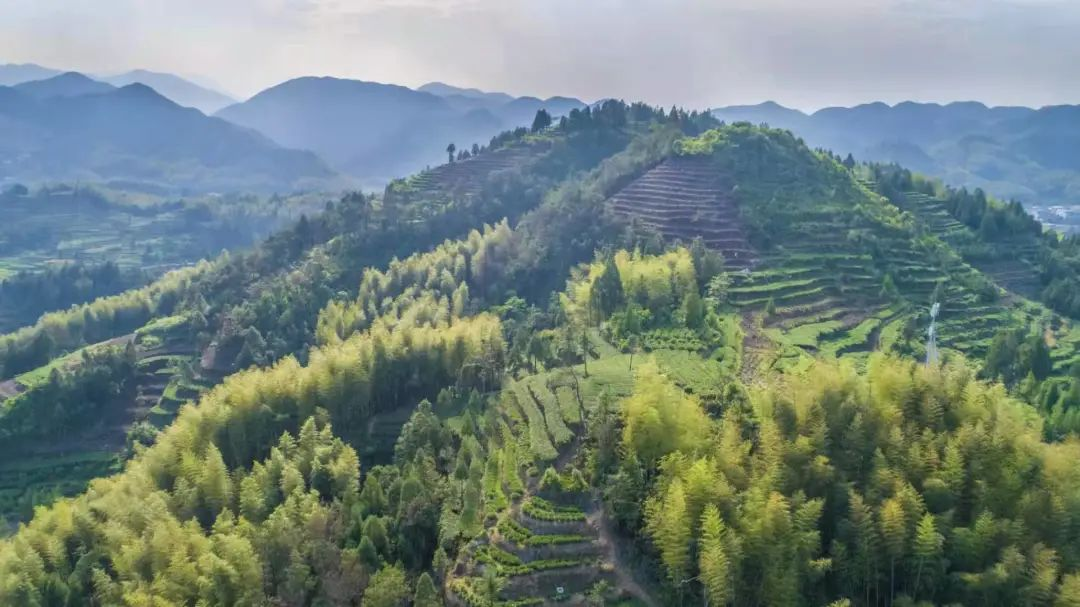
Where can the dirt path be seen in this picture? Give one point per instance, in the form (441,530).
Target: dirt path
(9,388)
(756,346)
(624,582)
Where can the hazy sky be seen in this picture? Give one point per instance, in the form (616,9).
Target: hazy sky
(697,53)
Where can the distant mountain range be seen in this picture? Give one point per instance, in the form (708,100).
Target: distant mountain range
(376,132)
(69,84)
(71,127)
(182,91)
(1013,152)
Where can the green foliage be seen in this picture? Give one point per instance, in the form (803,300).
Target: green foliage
(659,419)
(387,588)
(544,510)
(906,493)
(99,320)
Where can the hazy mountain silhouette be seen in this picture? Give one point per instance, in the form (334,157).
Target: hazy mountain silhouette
(17,73)
(1030,154)
(69,84)
(136,135)
(446,90)
(377,131)
(182,91)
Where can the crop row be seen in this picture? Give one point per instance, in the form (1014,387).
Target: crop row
(541,509)
(519,534)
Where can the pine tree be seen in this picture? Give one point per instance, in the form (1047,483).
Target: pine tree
(607,291)
(375,530)
(372,498)
(426,595)
(388,588)
(693,310)
(541,121)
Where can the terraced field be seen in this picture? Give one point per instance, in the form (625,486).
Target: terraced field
(684,198)
(167,375)
(465,178)
(932,212)
(545,534)
(48,230)
(830,302)
(1016,274)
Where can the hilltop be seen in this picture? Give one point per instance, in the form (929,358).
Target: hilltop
(1012,152)
(69,84)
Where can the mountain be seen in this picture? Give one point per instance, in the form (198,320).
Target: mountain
(182,91)
(439,436)
(376,131)
(136,135)
(17,73)
(1020,152)
(446,90)
(68,84)
(512,110)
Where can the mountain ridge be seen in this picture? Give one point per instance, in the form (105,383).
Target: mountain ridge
(135,134)
(376,131)
(1026,153)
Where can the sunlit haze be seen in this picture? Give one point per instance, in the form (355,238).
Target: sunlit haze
(687,52)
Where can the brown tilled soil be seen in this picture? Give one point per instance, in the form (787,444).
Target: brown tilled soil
(686,198)
(466,177)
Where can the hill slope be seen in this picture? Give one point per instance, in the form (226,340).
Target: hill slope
(590,441)
(135,135)
(1012,152)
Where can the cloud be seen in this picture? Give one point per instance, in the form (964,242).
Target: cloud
(691,52)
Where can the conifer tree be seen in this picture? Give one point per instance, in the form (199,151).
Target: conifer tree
(426,595)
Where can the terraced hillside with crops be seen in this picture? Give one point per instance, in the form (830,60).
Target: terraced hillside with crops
(166,375)
(1017,273)
(684,198)
(543,529)
(840,272)
(465,178)
(172,369)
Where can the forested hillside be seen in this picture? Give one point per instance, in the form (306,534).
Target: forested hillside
(64,245)
(633,357)
(1012,152)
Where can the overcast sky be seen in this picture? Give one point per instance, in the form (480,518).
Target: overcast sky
(696,53)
